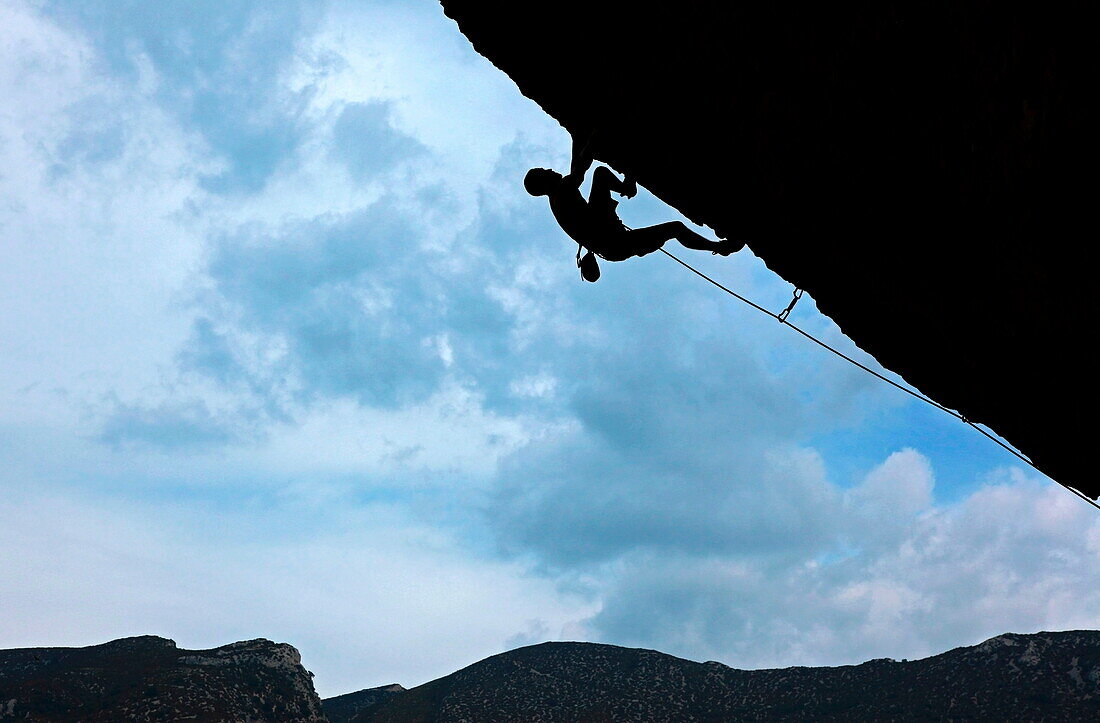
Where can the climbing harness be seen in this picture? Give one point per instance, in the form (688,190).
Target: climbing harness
(782,318)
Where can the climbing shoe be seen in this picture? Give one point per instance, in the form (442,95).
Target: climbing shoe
(727,247)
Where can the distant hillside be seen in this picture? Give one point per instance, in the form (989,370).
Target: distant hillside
(1046,676)
(149,679)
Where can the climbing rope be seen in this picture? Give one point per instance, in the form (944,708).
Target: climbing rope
(781,317)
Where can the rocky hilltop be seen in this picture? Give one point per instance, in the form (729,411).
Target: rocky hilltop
(925,170)
(345,707)
(1046,676)
(149,679)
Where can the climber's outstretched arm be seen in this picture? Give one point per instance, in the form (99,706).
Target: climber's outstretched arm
(581,162)
(604,181)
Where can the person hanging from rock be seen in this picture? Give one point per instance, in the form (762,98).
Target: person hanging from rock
(595,225)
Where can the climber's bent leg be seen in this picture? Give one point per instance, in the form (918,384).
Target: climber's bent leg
(691,240)
(637,242)
(642,241)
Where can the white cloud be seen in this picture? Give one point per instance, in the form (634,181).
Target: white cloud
(97,241)
(1018,555)
(890,500)
(412,57)
(449,433)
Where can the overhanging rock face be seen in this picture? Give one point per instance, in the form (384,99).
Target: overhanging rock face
(925,170)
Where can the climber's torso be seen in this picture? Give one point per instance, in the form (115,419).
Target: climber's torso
(585,223)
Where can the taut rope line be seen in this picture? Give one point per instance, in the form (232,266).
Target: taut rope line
(782,319)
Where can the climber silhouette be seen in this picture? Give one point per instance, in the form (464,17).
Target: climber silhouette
(595,225)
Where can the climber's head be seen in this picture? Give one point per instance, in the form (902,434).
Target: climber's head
(541,181)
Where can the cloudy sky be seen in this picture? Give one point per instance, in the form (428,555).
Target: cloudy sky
(288,353)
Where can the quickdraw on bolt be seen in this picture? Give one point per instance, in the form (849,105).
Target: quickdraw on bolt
(782,316)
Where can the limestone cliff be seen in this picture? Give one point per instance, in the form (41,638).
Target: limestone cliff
(926,170)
